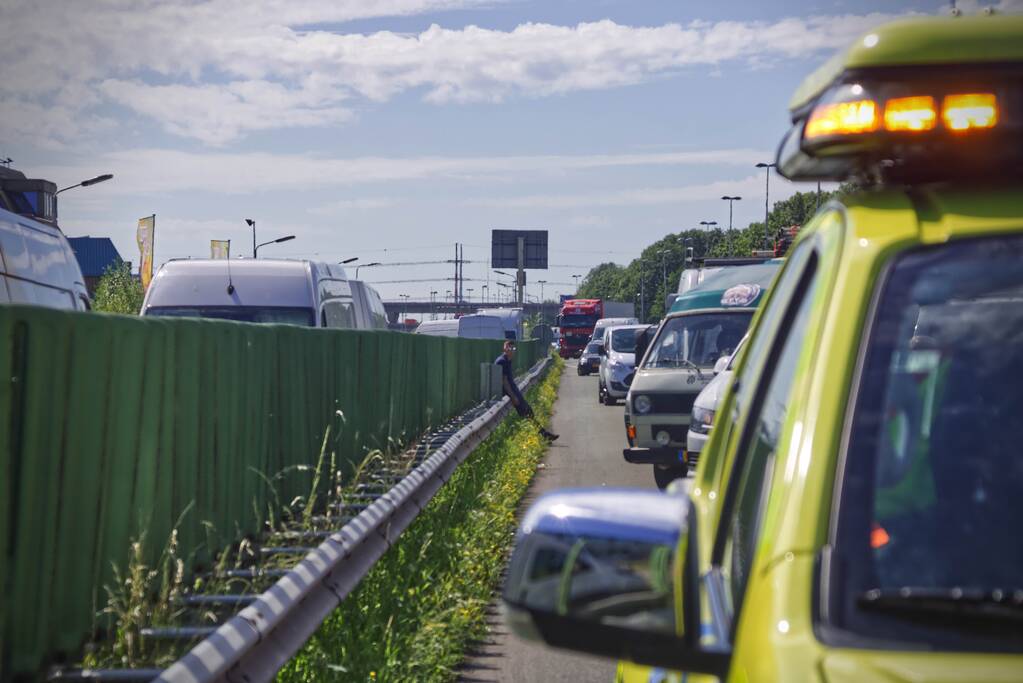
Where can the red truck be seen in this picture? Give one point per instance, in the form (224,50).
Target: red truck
(575,321)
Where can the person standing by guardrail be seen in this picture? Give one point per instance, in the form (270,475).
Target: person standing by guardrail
(511,390)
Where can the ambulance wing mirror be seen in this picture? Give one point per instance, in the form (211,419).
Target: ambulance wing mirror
(721,364)
(610,572)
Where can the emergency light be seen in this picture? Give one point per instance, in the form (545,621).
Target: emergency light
(909,124)
(914,101)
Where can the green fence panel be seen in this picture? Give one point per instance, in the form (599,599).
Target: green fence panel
(44,359)
(113,427)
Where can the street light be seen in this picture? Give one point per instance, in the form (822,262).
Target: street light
(730,200)
(470,290)
(349,260)
(577,282)
(287,238)
(361,265)
(664,272)
(486,294)
(767,192)
(85,183)
(543,318)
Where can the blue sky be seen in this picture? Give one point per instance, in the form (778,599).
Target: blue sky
(390,130)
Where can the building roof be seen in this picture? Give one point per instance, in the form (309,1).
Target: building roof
(95,254)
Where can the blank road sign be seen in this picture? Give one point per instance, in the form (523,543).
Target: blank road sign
(504,249)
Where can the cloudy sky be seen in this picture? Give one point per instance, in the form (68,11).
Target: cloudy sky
(391,129)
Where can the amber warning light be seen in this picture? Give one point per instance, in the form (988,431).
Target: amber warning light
(959,113)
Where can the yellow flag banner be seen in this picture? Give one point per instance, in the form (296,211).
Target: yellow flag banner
(220,249)
(144,236)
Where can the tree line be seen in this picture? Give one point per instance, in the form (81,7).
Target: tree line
(648,279)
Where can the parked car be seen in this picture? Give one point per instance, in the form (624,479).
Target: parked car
(589,362)
(475,326)
(705,407)
(704,325)
(37,265)
(293,292)
(617,361)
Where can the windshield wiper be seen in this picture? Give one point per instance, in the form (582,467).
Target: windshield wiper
(983,604)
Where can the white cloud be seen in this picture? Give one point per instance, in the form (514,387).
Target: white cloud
(751,186)
(213,70)
(164,171)
(217,114)
(347,205)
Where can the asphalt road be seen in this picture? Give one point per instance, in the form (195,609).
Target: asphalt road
(589,453)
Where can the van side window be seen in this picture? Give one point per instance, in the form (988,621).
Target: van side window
(746,498)
(339,313)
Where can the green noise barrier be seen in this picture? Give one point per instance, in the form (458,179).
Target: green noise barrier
(113,426)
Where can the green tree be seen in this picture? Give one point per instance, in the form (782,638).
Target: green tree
(657,271)
(118,291)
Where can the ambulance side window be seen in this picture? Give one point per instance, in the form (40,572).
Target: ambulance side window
(768,399)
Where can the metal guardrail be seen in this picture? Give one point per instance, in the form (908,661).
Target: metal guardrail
(255,643)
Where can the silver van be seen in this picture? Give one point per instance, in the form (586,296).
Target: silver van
(476,326)
(37,265)
(604,323)
(369,307)
(286,291)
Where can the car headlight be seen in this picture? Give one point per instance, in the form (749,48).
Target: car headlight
(703,420)
(642,404)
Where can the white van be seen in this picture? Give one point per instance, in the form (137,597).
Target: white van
(257,291)
(468,327)
(369,307)
(617,362)
(511,319)
(37,265)
(604,323)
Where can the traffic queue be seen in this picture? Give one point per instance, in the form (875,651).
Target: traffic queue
(859,474)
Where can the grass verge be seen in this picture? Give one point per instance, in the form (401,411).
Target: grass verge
(413,615)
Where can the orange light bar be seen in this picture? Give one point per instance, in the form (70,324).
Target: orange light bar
(910,113)
(631,431)
(969,111)
(842,118)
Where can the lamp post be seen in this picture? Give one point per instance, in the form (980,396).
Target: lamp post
(577,283)
(85,183)
(486,294)
(730,200)
(767,192)
(361,265)
(470,290)
(287,238)
(433,310)
(709,225)
(404,306)
(664,272)
(543,318)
